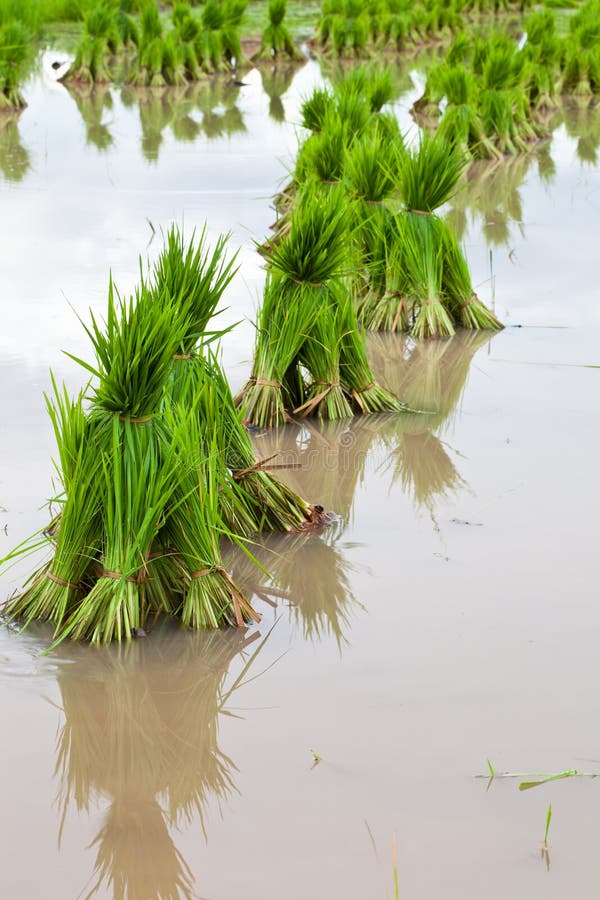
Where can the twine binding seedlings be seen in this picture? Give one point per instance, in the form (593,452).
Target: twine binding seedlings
(62,583)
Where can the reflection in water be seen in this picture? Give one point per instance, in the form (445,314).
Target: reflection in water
(141,730)
(429,375)
(178,108)
(275,82)
(14,157)
(583,124)
(92,102)
(307,572)
(332,458)
(490,195)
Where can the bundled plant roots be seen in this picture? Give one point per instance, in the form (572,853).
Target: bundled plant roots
(276,39)
(437,276)
(156,470)
(305,285)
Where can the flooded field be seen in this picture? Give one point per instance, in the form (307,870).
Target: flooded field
(448,617)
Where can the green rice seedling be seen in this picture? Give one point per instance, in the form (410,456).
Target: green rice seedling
(429,174)
(315,250)
(422,241)
(56,589)
(394,311)
(371,178)
(323,156)
(320,354)
(137,482)
(99,40)
(283,324)
(233,14)
(276,39)
(194,524)
(467,308)
(194,278)
(498,118)
(314,109)
(381,87)
(271,503)
(210,41)
(353,108)
(15,54)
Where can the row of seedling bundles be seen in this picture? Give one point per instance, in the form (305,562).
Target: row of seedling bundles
(150,50)
(155,467)
(353,28)
(403,267)
(493,96)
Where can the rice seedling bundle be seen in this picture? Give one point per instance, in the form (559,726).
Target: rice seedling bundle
(436,269)
(15,54)
(100,40)
(276,39)
(304,283)
(466,307)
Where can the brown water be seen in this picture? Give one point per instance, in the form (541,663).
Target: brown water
(450,615)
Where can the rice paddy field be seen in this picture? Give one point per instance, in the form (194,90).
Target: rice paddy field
(416,713)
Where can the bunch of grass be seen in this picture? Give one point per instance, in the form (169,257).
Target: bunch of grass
(100,39)
(371,178)
(422,239)
(138,531)
(15,54)
(466,306)
(394,310)
(314,108)
(320,354)
(305,282)
(283,324)
(195,276)
(429,174)
(276,38)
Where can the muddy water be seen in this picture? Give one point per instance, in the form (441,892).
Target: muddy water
(449,615)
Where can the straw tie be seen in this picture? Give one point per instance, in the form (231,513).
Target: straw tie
(420,212)
(62,583)
(239,601)
(182,356)
(265,383)
(401,305)
(356,392)
(308,407)
(308,283)
(468,302)
(117,576)
(136,420)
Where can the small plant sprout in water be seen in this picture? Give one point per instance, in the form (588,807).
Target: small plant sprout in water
(535,779)
(544,851)
(316,758)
